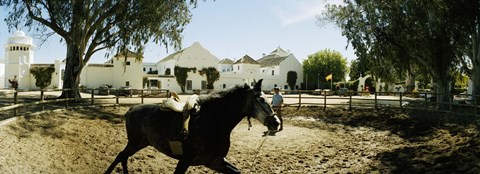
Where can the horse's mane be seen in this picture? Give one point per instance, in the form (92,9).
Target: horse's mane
(220,98)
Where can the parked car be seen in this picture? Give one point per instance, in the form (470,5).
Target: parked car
(317,92)
(327,92)
(342,92)
(125,91)
(103,90)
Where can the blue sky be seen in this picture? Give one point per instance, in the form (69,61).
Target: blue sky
(231,29)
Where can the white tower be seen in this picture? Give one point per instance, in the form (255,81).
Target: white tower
(18,58)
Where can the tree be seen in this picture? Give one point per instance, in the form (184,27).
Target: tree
(212,75)
(181,74)
(291,79)
(322,63)
(397,33)
(89,26)
(167,71)
(43,76)
(357,70)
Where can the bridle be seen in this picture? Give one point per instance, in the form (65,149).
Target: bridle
(264,110)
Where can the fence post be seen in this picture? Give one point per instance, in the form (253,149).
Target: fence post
(15,101)
(41,99)
(116,96)
(450,103)
(141,94)
(68,98)
(476,103)
(93,96)
(400,99)
(324,100)
(426,101)
(299,99)
(376,108)
(350,101)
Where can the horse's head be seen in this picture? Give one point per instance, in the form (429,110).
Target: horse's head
(262,110)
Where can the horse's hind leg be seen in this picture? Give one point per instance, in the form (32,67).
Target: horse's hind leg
(129,150)
(224,166)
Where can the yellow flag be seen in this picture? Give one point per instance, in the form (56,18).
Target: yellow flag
(329,77)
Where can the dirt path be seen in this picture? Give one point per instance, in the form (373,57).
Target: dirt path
(86,140)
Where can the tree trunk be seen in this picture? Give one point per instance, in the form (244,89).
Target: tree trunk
(410,81)
(73,67)
(475,75)
(442,67)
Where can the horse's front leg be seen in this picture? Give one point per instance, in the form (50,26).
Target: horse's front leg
(223,166)
(182,166)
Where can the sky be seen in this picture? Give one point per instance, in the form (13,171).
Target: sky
(231,29)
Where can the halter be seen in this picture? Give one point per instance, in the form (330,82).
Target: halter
(253,103)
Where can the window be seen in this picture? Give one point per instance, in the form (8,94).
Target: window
(127,83)
(273,72)
(275,85)
(238,67)
(150,69)
(285,87)
(189,85)
(143,69)
(128,63)
(224,86)
(204,84)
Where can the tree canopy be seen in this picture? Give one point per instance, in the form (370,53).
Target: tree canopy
(291,79)
(322,63)
(89,26)
(212,75)
(181,75)
(43,76)
(430,35)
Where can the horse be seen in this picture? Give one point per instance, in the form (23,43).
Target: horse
(210,124)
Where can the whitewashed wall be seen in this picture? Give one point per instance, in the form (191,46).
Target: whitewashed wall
(132,73)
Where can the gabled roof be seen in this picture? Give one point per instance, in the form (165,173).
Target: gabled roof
(246,60)
(172,56)
(195,50)
(128,53)
(226,61)
(271,60)
(279,52)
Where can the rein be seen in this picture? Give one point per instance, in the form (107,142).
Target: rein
(258,150)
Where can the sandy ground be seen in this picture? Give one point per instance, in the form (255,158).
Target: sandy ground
(86,140)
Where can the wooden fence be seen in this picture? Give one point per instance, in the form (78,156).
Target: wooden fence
(419,100)
(461,103)
(37,98)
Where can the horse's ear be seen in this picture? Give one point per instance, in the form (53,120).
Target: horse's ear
(258,85)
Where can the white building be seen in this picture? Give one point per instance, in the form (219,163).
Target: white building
(150,68)
(121,70)
(273,68)
(19,58)
(194,56)
(127,70)
(2,74)
(117,72)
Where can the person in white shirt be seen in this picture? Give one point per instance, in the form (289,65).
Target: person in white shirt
(277,102)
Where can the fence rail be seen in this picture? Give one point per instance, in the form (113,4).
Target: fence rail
(30,99)
(463,104)
(408,100)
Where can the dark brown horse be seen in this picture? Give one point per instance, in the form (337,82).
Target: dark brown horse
(210,127)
